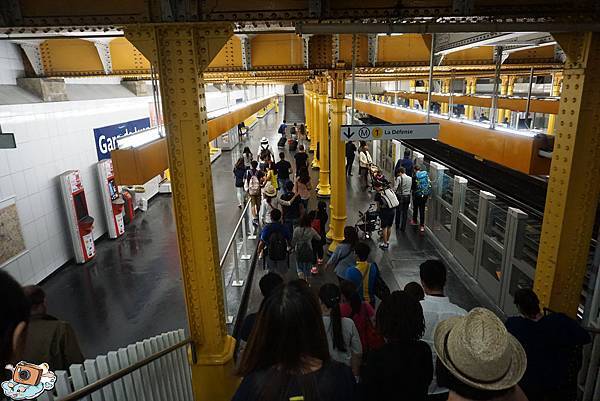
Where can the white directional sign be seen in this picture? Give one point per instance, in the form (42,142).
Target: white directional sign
(389,131)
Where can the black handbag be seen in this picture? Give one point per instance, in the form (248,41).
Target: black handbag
(381,289)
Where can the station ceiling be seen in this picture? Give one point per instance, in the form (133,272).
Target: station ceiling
(288,57)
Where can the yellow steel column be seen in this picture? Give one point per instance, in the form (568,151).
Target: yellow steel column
(503,90)
(182,52)
(510,89)
(471,89)
(324,187)
(307,123)
(316,131)
(412,88)
(424,104)
(446,90)
(338,161)
(556,84)
(574,184)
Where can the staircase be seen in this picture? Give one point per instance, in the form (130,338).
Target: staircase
(294,108)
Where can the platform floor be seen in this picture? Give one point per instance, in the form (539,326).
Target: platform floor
(132,289)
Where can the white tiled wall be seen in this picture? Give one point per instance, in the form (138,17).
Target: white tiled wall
(52,138)
(11,66)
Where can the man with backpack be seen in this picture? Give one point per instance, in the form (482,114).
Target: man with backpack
(421,192)
(274,242)
(387,202)
(403,185)
(252,185)
(365,272)
(282,128)
(265,154)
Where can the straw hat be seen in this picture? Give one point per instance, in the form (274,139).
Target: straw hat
(478,351)
(269,190)
(264,141)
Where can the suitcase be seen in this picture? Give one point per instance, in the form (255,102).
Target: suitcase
(281,142)
(293,145)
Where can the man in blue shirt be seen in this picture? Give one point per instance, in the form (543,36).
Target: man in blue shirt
(406,162)
(363,273)
(274,242)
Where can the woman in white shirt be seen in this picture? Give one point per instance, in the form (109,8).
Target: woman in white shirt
(342,335)
(268,203)
(403,185)
(364,163)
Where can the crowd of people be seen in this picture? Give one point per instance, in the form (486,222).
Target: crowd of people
(279,194)
(393,197)
(351,339)
(332,343)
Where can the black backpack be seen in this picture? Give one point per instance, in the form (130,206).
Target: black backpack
(277,248)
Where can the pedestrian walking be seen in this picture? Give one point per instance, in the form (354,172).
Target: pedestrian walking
(301,158)
(319,222)
(387,202)
(248,156)
(403,185)
(291,206)
(302,243)
(239,173)
(303,188)
(252,185)
(284,170)
(268,203)
(421,191)
(350,155)
(275,238)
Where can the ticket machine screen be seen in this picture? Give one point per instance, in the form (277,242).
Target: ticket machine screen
(114,194)
(80,205)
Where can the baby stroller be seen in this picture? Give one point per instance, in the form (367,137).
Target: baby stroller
(368,221)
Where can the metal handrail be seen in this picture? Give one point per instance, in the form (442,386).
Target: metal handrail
(235,230)
(90,388)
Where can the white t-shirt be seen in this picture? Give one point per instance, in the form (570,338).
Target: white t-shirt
(351,339)
(406,184)
(264,214)
(435,310)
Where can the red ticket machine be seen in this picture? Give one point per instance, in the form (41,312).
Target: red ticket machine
(80,222)
(112,200)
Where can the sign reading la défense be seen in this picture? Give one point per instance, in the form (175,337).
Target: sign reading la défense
(389,131)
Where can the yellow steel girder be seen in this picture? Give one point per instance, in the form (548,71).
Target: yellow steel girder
(285,49)
(126,59)
(230,56)
(181,53)
(574,184)
(76,56)
(412,48)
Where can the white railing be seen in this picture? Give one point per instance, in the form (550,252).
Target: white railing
(153,369)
